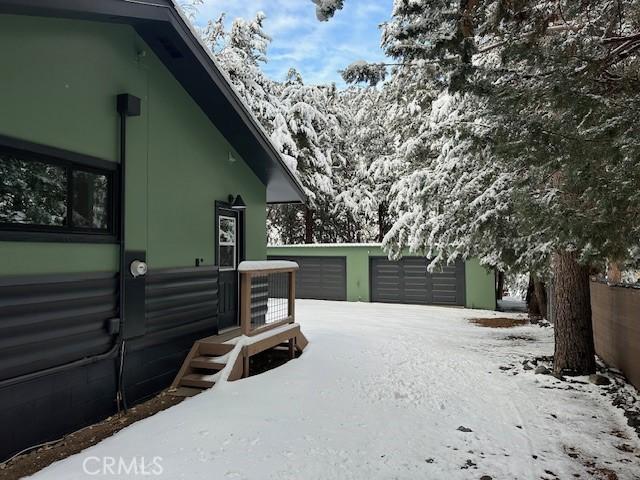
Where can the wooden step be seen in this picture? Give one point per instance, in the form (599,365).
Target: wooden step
(301,341)
(198,380)
(271,339)
(214,349)
(207,363)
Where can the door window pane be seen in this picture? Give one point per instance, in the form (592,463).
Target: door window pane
(90,200)
(227,236)
(32,192)
(227,257)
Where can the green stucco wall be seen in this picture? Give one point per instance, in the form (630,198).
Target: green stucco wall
(480,286)
(479,282)
(32,258)
(58,86)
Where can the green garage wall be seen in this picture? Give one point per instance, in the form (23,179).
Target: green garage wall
(479,282)
(58,87)
(480,286)
(357,263)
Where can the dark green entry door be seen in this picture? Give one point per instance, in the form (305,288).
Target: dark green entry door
(229,253)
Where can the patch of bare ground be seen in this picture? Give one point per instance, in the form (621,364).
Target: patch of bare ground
(601,472)
(520,338)
(596,471)
(499,322)
(619,434)
(35,460)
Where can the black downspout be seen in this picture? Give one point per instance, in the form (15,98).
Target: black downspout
(121,397)
(127,106)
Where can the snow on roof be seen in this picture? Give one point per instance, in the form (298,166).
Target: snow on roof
(332,245)
(265,265)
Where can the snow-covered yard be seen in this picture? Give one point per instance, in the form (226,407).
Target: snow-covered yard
(381,393)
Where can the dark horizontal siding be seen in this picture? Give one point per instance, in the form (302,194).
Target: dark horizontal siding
(447,286)
(319,277)
(47,321)
(50,321)
(408,281)
(179,296)
(181,307)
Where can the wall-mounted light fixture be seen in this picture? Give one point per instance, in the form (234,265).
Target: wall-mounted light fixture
(237,203)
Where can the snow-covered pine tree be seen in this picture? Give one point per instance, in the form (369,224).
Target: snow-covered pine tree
(549,90)
(310,125)
(241,53)
(306,123)
(355,196)
(337,220)
(350,213)
(325,9)
(569,71)
(366,188)
(314,129)
(190,8)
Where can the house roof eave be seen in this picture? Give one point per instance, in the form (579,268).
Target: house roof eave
(161,24)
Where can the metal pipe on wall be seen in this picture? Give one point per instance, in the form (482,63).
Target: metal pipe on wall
(127,106)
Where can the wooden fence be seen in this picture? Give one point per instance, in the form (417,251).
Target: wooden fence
(616,328)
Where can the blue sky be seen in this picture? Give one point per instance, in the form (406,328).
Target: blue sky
(317,49)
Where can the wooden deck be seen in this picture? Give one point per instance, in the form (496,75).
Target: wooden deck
(209,357)
(226,356)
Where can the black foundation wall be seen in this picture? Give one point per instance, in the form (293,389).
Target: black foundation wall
(59,353)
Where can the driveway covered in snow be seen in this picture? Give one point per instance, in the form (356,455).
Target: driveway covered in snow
(386,392)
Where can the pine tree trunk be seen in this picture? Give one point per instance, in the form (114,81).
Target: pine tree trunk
(541,296)
(308,225)
(533,307)
(500,286)
(614,273)
(382,221)
(574,349)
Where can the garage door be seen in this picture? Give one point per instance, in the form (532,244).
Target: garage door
(320,278)
(408,281)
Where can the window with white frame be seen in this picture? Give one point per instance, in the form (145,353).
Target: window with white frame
(227,242)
